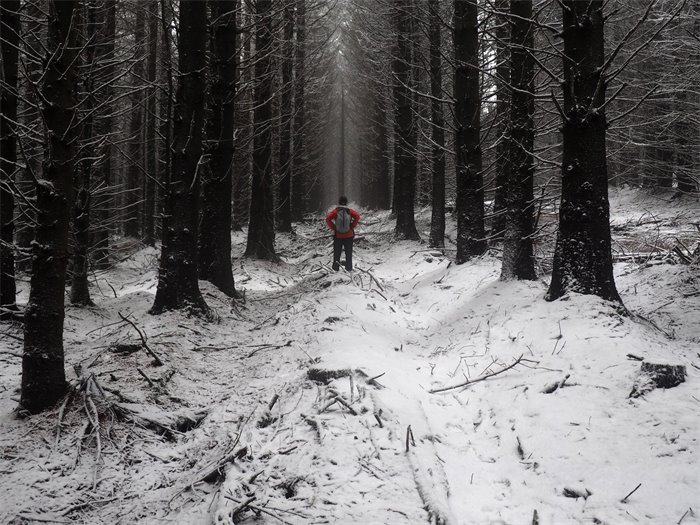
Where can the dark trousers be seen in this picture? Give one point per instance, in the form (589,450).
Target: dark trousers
(338,246)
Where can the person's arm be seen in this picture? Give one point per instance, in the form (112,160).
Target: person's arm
(355,219)
(330,218)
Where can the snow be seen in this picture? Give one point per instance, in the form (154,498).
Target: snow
(493,452)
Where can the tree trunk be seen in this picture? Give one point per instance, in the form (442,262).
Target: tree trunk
(43,375)
(33,37)
(299,155)
(106,202)
(241,118)
(149,204)
(261,229)
(518,261)
(135,170)
(166,114)
(470,184)
(177,278)
(341,145)
(284,212)
(80,291)
(9,43)
(215,225)
(437,220)
(503,68)
(582,258)
(404,128)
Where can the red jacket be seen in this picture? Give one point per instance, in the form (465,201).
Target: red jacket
(330,221)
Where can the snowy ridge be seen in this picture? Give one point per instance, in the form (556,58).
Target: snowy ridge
(277,410)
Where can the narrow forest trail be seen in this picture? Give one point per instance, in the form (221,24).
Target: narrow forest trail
(331,448)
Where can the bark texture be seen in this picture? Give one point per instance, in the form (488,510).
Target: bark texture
(80,291)
(9,42)
(503,91)
(43,375)
(404,127)
(149,202)
(518,205)
(298,189)
(582,258)
(470,184)
(215,225)
(106,203)
(437,219)
(134,176)
(177,278)
(284,211)
(261,230)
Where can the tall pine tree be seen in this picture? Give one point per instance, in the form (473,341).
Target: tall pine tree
(582,257)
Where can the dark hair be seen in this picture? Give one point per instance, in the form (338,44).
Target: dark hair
(343,200)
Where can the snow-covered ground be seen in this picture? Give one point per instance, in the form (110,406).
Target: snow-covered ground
(310,402)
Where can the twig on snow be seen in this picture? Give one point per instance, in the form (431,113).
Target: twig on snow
(409,438)
(624,500)
(268,347)
(259,509)
(690,510)
(478,379)
(156,360)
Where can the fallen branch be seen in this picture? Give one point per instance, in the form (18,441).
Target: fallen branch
(373,380)
(345,404)
(478,379)
(268,347)
(259,509)
(148,379)
(156,360)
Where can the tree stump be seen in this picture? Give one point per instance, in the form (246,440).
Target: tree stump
(653,375)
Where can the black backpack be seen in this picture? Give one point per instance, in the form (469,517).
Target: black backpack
(343,220)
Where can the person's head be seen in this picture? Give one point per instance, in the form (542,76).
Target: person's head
(343,200)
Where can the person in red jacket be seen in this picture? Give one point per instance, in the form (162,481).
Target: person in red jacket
(342,220)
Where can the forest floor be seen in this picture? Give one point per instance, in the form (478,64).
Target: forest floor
(310,402)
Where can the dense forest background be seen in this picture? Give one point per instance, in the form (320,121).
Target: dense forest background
(518,341)
(179,122)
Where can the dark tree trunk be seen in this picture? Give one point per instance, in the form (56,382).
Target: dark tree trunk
(166,112)
(261,229)
(341,145)
(43,375)
(9,43)
(284,211)
(134,175)
(33,37)
(80,291)
(518,202)
(582,258)
(437,220)
(149,204)
(298,156)
(177,278)
(470,184)
(503,67)
(106,202)
(215,225)
(404,128)
(241,118)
